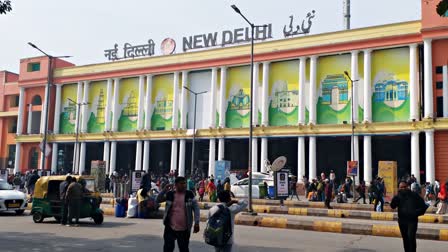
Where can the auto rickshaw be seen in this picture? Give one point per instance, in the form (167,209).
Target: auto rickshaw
(47,202)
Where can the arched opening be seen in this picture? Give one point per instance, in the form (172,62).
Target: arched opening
(37,100)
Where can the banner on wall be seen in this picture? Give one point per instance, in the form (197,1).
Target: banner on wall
(67,121)
(128,105)
(238,97)
(390,85)
(162,101)
(97,106)
(284,93)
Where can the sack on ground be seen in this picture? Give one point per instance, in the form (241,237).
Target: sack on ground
(219,228)
(132,207)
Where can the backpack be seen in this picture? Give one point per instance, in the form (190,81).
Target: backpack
(219,227)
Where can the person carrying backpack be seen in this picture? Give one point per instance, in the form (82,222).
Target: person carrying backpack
(410,206)
(220,224)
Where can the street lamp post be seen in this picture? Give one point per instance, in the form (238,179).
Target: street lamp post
(47,101)
(352,123)
(252,27)
(194,127)
(76,149)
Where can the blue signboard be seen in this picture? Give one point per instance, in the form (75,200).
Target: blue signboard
(222,170)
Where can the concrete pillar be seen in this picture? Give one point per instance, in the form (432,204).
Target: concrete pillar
(413,84)
(116,105)
(430,165)
(222,98)
(265,95)
(54,158)
(213,84)
(146,156)
(415,154)
(106,155)
(312,158)
(445,91)
(428,92)
(107,114)
(264,154)
(254,99)
(182,157)
(44,112)
(173,166)
(221,149)
(141,100)
(211,157)
(302,81)
(354,76)
(175,124)
(367,86)
(183,102)
(312,94)
(367,159)
(113,157)
(29,128)
(85,108)
(255,154)
(57,110)
(301,159)
(148,103)
(17,164)
(21,113)
(82,158)
(138,156)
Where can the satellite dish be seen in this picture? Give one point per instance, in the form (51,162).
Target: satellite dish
(278,163)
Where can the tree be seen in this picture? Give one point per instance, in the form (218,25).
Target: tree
(5,6)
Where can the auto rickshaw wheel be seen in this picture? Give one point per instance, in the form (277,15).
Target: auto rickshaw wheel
(38,217)
(98,219)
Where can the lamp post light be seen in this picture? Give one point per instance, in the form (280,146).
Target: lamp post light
(47,100)
(76,149)
(252,28)
(194,127)
(352,123)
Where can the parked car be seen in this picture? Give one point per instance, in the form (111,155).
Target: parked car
(241,188)
(10,199)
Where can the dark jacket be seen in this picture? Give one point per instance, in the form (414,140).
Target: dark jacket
(410,205)
(63,190)
(328,190)
(191,206)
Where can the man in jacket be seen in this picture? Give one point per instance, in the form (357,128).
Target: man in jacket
(62,192)
(410,206)
(178,218)
(328,193)
(74,199)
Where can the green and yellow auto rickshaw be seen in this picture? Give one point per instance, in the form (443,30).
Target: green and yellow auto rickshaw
(47,202)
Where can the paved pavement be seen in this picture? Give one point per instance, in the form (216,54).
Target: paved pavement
(19,233)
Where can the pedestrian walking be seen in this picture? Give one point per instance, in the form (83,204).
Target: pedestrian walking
(361,189)
(74,199)
(211,189)
(227,206)
(62,193)
(379,194)
(32,182)
(201,190)
(443,199)
(328,193)
(293,189)
(219,186)
(107,183)
(180,208)
(410,206)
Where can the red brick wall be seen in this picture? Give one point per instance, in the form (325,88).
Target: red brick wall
(441,154)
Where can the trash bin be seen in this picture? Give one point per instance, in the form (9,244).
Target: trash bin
(271,191)
(120,208)
(263,190)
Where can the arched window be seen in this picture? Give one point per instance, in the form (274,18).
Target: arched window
(37,100)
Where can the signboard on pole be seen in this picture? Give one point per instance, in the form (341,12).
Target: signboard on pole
(352,168)
(136,180)
(222,170)
(282,183)
(98,170)
(4,174)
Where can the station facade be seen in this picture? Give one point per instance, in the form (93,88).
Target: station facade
(136,115)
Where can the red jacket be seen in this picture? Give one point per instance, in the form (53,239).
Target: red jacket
(442,194)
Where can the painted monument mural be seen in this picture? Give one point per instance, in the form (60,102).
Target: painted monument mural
(390,85)
(67,122)
(238,97)
(97,106)
(162,102)
(128,104)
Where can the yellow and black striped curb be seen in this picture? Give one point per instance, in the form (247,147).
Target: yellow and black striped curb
(339,227)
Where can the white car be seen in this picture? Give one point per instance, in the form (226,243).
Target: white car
(241,188)
(10,199)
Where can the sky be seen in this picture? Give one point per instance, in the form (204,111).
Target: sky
(85,28)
